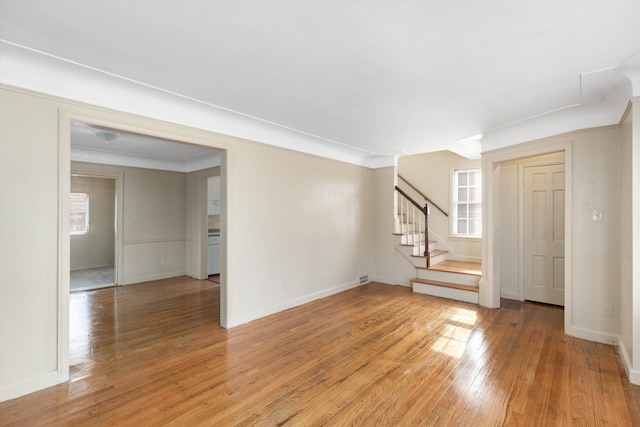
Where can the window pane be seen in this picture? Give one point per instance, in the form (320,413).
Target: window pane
(475,227)
(475,194)
(79,213)
(467,195)
(462,194)
(475,211)
(475,178)
(462,211)
(462,179)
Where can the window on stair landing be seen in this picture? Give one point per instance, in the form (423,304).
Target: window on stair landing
(467,203)
(79,212)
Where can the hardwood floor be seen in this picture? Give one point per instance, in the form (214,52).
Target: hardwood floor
(154,354)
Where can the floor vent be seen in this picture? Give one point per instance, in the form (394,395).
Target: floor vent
(363,279)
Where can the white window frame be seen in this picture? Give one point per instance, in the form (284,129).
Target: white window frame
(455,202)
(86,217)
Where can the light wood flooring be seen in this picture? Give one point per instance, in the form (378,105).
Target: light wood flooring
(154,355)
(463,267)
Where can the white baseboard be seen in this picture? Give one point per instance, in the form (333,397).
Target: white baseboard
(246,318)
(509,295)
(632,374)
(591,335)
(12,391)
(151,277)
(385,280)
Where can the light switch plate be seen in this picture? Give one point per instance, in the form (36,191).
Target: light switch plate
(598,216)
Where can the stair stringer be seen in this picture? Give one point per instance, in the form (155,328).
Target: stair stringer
(443,242)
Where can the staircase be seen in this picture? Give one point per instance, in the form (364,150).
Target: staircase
(436,275)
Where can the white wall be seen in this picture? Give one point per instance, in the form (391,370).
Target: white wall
(626,241)
(96,248)
(596,248)
(385,241)
(286,216)
(297,218)
(592,277)
(630,240)
(431,173)
(28,248)
(635,256)
(154,221)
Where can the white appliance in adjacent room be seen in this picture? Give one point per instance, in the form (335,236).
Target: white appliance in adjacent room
(214,255)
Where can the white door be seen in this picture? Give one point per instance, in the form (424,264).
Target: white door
(543,244)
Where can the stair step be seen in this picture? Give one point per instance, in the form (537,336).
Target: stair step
(460,267)
(447,276)
(445,284)
(445,290)
(433,253)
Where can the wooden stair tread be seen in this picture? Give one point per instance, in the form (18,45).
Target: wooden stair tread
(432,254)
(460,267)
(445,284)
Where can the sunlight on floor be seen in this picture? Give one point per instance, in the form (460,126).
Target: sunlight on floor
(455,335)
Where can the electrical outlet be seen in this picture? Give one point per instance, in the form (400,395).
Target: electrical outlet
(285,284)
(163,261)
(607,310)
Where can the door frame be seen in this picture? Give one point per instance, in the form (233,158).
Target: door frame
(98,116)
(489,288)
(118,212)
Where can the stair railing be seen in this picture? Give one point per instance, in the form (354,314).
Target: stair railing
(414,219)
(423,196)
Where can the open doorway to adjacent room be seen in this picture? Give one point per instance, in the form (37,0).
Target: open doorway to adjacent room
(92,232)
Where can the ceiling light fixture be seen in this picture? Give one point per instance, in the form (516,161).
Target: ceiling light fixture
(106,136)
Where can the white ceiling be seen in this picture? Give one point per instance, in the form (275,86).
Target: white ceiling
(128,149)
(381,77)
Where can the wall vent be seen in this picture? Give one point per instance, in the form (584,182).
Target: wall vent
(363,279)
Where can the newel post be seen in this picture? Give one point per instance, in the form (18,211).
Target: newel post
(426,234)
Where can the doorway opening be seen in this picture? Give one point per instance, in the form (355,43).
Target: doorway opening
(92,232)
(532,210)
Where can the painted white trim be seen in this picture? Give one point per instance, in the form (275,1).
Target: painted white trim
(511,295)
(263,312)
(489,295)
(119,220)
(443,292)
(34,70)
(203,161)
(384,280)
(72,111)
(591,335)
(31,385)
(64,247)
(632,374)
(151,277)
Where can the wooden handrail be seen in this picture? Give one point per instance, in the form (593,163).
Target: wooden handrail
(425,197)
(425,211)
(406,196)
